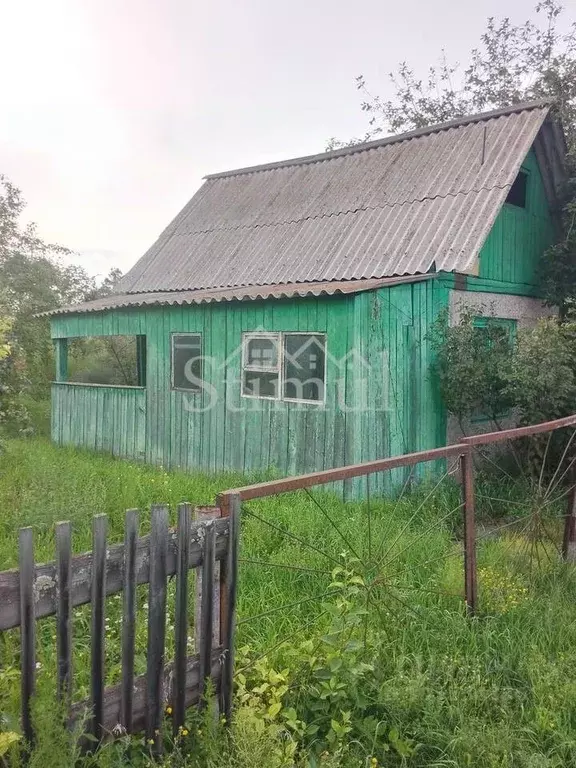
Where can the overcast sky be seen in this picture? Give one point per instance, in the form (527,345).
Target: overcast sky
(113,110)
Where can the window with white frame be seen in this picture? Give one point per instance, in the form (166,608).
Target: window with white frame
(284,366)
(187,361)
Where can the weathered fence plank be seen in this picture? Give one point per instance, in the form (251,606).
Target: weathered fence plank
(207,515)
(46,575)
(64,611)
(181,618)
(99,533)
(113,694)
(207,612)
(129,617)
(230,581)
(156,623)
(27,628)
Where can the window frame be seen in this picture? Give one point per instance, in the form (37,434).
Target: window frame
(61,346)
(509,324)
(246,338)
(280,368)
(188,390)
(320,401)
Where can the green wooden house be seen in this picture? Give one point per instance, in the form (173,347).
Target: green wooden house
(281,320)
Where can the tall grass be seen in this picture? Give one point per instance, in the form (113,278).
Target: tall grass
(497,690)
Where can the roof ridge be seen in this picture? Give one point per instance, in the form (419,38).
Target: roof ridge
(396,138)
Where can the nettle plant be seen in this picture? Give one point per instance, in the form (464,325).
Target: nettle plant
(324,698)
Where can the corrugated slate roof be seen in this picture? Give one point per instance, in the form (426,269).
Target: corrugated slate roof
(215,295)
(391,207)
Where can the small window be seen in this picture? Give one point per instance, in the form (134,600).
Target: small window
(261,365)
(304,357)
(288,366)
(187,361)
(496,329)
(517,194)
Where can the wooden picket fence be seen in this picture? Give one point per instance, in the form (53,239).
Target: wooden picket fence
(209,544)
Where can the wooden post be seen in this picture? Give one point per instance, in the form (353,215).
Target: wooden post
(98,598)
(129,617)
(156,625)
(63,619)
(204,515)
(27,629)
(61,355)
(181,618)
(207,610)
(229,583)
(569,540)
(470,580)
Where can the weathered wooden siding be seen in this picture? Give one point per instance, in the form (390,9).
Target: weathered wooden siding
(403,410)
(519,235)
(232,432)
(111,419)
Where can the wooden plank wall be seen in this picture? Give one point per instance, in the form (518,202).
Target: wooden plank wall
(519,235)
(183,430)
(111,419)
(403,411)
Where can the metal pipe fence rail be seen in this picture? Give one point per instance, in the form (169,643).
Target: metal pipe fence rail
(463,452)
(207,545)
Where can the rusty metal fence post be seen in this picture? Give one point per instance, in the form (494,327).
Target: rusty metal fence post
(569,540)
(470,575)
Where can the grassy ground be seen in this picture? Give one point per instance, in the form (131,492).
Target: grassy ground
(430,688)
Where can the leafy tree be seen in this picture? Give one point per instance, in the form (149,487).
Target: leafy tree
(34,277)
(557,267)
(106,287)
(542,374)
(512,63)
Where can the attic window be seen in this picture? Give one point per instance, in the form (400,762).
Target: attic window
(517,193)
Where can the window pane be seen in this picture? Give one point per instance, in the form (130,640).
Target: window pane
(187,361)
(304,362)
(262,352)
(260,384)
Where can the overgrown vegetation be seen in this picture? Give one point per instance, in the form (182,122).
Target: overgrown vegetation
(35,276)
(481,370)
(374,661)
